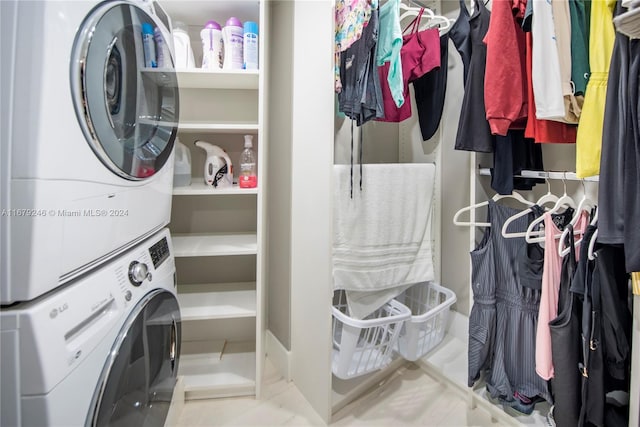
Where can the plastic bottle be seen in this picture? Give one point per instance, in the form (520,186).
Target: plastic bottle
(148,46)
(182,46)
(233,39)
(250,46)
(211,46)
(181,165)
(162,49)
(248,177)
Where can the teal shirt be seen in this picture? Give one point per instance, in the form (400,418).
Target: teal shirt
(388,48)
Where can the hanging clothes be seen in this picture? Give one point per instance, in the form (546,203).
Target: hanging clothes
(579,46)
(589,137)
(474,133)
(546,75)
(420,53)
(388,49)
(543,131)
(351,18)
(608,340)
(514,153)
(632,164)
(562,25)
(565,337)
(513,378)
(361,97)
(550,289)
(429,92)
(504,315)
(616,134)
(505,83)
(459,34)
(482,319)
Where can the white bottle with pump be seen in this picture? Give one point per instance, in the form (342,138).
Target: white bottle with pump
(248,177)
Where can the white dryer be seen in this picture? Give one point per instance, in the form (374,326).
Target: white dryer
(103,350)
(87,137)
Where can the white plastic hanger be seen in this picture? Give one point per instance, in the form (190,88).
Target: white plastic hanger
(546,198)
(592,245)
(586,204)
(514,195)
(442,22)
(533,236)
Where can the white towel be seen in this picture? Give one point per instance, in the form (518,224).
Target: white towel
(382,237)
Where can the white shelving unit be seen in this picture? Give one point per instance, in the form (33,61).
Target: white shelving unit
(218,234)
(201,189)
(225,127)
(214,244)
(222,79)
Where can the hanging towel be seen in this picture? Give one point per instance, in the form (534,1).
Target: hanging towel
(382,236)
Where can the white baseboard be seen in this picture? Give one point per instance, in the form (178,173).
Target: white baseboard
(177,404)
(278,355)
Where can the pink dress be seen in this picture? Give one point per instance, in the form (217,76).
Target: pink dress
(550,289)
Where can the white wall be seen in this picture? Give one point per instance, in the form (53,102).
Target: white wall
(311,198)
(280,116)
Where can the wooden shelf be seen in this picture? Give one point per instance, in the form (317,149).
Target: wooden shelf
(221,79)
(214,244)
(199,188)
(217,301)
(226,127)
(213,369)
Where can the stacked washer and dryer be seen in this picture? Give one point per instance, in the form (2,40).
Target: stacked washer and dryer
(89,323)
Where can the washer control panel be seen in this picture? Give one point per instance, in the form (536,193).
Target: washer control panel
(138,273)
(159,252)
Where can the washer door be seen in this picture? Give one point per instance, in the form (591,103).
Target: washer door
(136,385)
(128,112)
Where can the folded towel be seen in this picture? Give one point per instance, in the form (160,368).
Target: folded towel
(382,236)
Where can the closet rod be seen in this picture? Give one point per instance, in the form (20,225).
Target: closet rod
(421,4)
(568,176)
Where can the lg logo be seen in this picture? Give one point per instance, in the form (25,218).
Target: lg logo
(58,310)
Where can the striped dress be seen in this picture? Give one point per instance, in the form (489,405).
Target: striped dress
(509,312)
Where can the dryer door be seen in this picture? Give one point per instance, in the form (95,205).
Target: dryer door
(127,111)
(136,385)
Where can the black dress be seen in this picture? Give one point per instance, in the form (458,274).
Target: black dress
(474,133)
(459,35)
(616,133)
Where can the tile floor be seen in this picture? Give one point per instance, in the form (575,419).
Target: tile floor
(409,397)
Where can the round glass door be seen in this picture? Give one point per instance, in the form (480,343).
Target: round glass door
(136,385)
(128,111)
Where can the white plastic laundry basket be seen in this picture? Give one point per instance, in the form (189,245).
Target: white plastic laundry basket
(429,304)
(363,346)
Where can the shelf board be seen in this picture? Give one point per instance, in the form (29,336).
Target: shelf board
(199,188)
(217,301)
(214,244)
(221,79)
(226,127)
(212,369)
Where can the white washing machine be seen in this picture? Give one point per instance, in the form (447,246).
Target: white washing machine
(102,350)
(87,137)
